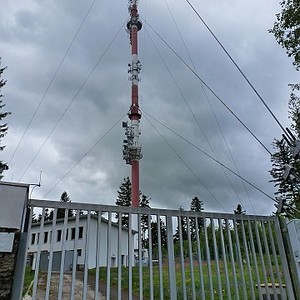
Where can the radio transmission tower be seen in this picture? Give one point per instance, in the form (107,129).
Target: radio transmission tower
(132,149)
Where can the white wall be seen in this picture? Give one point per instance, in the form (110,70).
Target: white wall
(81,243)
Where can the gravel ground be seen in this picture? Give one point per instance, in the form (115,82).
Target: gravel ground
(67,283)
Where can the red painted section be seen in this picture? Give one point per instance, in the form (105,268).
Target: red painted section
(134,111)
(134,48)
(135,184)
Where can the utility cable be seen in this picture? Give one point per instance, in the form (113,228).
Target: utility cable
(187,166)
(236,65)
(190,109)
(208,87)
(85,155)
(211,157)
(214,115)
(72,100)
(52,79)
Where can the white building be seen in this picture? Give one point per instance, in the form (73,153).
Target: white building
(81,240)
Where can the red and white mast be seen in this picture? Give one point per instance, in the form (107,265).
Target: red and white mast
(132,150)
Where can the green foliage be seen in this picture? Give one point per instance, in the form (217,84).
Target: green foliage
(288,189)
(144,202)
(286,29)
(155,236)
(196,205)
(28,281)
(61,211)
(3,126)
(124,199)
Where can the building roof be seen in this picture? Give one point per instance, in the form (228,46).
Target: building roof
(81,217)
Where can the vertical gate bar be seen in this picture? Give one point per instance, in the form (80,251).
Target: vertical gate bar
(247,258)
(253,250)
(98,256)
(211,288)
(278,275)
(74,264)
(160,259)
(171,259)
(269,260)
(240,258)
(27,234)
(119,260)
(140,250)
(182,257)
(86,257)
(130,257)
(200,258)
(49,272)
(38,255)
(284,262)
(63,252)
(262,259)
(191,258)
(150,257)
(224,259)
(217,262)
(108,257)
(236,288)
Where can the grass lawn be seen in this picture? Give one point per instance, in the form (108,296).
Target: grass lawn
(209,287)
(29,276)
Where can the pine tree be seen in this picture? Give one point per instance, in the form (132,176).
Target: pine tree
(3,127)
(144,202)
(239,211)
(124,199)
(155,236)
(182,223)
(61,211)
(288,188)
(196,205)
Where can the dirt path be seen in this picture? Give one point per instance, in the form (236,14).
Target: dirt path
(67,284)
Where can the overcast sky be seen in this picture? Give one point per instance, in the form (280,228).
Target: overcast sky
(60,111)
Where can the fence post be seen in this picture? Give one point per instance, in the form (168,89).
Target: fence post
(171,259)
(13,200)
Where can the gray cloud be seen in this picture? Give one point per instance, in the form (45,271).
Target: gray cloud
(34,38)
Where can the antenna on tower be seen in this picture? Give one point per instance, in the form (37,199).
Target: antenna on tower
(132,149)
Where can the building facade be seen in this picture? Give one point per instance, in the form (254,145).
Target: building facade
(83,239)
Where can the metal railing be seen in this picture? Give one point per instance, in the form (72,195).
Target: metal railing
(90,251)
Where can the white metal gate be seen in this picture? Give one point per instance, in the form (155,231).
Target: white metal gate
(157,254)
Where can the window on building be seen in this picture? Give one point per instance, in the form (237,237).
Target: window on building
(73,232)
(80,232)
(67,235)
(58,239)
(79,252)
(38,238)
(33,238)
(46,237)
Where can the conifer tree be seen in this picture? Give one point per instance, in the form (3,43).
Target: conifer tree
(144,202)
(124,199)
(196,205)
(288,188)
(61,211)
(3,126)
(182,223)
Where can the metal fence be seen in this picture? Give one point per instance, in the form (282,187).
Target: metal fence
(90,251)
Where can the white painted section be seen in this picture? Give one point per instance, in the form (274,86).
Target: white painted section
(136,132)
(82,241)
(294,234)
(6,241)
(12,202)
